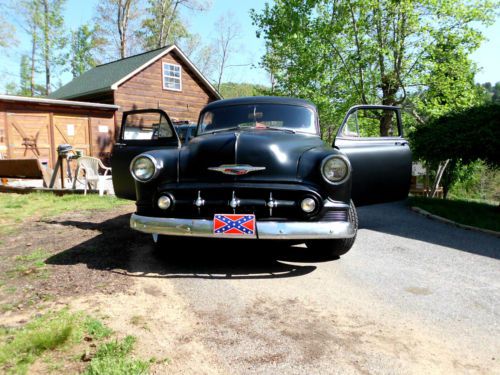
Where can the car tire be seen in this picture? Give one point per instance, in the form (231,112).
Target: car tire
(337,247)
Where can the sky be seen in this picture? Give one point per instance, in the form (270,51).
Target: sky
(250,48)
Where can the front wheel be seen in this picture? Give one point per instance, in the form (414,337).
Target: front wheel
(337,247)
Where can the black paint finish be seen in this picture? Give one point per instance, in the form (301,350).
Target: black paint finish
(381,166)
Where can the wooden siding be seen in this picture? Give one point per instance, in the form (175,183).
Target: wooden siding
(30,130)
(145,90)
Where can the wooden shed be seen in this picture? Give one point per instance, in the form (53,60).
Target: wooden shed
(34,127)
(163,78)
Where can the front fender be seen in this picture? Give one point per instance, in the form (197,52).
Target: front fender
(309,170)
(169,174)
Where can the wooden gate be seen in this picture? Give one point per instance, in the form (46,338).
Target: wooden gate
(73,130)
(37,135)
(29,136)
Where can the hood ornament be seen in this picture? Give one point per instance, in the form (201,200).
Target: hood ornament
(236,169)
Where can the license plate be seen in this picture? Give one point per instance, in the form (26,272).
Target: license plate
(234,225)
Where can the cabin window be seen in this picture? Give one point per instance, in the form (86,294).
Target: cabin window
(172,77)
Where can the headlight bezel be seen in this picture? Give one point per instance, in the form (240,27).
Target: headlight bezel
(157,164)
(346,162)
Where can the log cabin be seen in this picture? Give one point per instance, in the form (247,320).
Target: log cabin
(86,112)
(163,78)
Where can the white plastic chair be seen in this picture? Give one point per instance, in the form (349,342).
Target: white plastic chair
(91,167)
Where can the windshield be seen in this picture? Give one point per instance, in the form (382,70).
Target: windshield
(258,116)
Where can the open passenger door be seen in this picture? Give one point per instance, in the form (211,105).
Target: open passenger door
(141,131)
(372,138)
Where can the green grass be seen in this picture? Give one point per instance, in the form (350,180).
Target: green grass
(60,331)
(95,328)
(112,358)
(481,215)
(31,264)
(19,348)
(17,208)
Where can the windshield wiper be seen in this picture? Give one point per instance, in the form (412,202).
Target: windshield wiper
(280,129)
(223,130)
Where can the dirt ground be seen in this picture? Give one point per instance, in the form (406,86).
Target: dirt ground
(95,263)
(89,267)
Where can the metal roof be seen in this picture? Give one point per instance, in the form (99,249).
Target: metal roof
(107,77)
(72,103)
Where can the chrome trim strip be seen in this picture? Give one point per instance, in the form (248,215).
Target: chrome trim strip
(327,203)
(269,230)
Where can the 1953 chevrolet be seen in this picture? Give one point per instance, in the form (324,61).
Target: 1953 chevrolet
(258,169)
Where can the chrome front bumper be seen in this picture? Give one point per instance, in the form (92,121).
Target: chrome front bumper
(266,230)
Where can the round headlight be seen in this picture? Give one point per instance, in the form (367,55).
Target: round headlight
(164,202)
(143,168)
(335,169)
(308,205)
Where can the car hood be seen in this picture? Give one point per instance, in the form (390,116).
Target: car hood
(278,152)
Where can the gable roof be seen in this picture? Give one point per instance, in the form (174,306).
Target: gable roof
(107,77)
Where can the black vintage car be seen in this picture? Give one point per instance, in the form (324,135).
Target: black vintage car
(258,169)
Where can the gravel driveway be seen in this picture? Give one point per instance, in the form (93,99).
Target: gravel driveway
(413,296)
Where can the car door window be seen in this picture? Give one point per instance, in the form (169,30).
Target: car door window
(146,126)
(371,123)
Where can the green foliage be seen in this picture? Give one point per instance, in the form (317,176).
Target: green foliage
(369,51)
(235,90)
(450,79)
(481,215)
(7,30)
(162,24)
(25,76)
(53,39)
(111,358)
(492,91)
(85,45)
(464,136)
(477,181)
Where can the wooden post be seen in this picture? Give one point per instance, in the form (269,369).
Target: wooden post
(7,134)
(53,150)
(54,173)
(91,137)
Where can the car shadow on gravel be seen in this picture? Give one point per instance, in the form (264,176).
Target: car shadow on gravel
(397,219)
(118,249)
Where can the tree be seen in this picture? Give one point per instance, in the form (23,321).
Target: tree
(461,138)
(31,23)
(496,93)
(119,21)
(163,24)
(202,55)
(25,76)
(53,39)
(234,90)
(85,45)
(228,33)
(7,32)
(362,51)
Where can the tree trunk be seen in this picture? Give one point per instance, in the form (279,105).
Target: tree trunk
(33,56)
(386,128)
(439,176)
(172,17)
(46,45)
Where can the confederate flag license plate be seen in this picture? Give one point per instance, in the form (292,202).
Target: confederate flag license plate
(234,225)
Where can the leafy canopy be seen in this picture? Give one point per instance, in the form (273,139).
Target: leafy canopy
(340,53)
